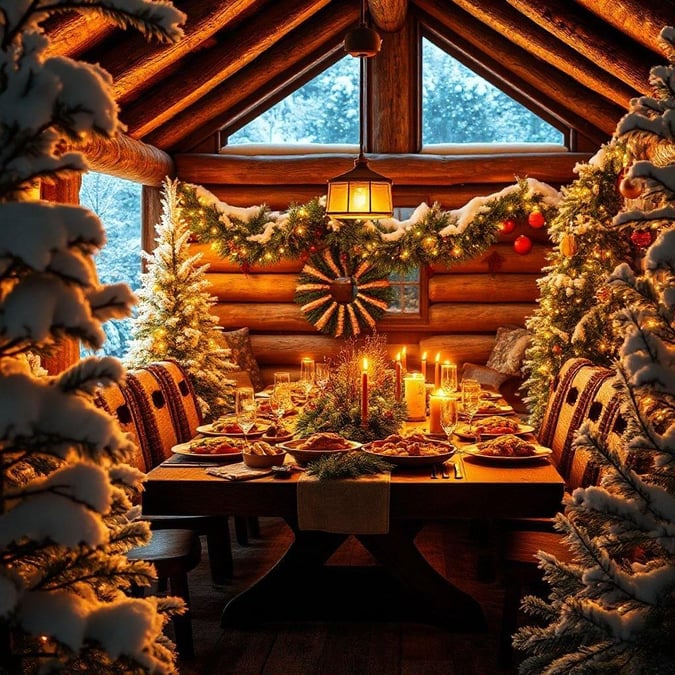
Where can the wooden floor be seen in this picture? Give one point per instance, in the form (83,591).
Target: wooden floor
(342,648)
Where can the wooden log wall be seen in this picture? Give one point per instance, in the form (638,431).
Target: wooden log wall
(467,301)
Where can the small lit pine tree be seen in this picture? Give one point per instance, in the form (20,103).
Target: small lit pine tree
(613,608)
(174,317)
(66,515)
(586,250)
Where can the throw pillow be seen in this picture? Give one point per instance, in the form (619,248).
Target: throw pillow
(509,350)
(240,344)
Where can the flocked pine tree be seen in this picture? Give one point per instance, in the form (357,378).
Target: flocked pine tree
(174,318)
(66,517)
(586,250)
(613,609)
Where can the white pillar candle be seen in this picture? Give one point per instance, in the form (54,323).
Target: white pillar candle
(415,396)
(435,400)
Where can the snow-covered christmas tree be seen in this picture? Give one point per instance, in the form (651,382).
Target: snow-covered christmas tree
(613,608)
(586,251)
(66,514)
(174,318)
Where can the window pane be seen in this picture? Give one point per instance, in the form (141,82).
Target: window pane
(325,110)
(406,286)
(459,106)
(117,203)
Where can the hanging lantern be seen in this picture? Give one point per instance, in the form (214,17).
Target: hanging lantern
(568,245)
(536,219)
(522,245)
(507,226)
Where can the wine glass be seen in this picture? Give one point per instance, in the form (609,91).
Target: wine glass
(448,416)
(280,400)
(246,409)
(307,370)
(321,374)
(449,378)
(470,400)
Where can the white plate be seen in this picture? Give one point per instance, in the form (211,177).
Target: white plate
(473,451)
(463,431)
(303,456)
(493,410)
(263,394)
(415,460)
(184,449)
(257,431)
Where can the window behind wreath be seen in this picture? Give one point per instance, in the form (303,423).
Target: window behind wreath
(406,287)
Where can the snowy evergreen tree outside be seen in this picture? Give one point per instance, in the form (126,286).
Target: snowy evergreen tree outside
(66,513)
(174,318)
(613,608)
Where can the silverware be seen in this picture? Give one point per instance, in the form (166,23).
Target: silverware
(444,472)
(433,471)
(458,466)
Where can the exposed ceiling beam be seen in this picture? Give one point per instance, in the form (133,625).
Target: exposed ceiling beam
(594,113)
(509,22)
(641,20)
(73,34)
(205,115)
(201,73)
(592,38)
(388,15)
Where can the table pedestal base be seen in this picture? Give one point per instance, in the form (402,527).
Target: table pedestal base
(403,588)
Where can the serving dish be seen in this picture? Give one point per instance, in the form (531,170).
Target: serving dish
(540,452)
(303,456)
(256,431)
(232,455)
(462,431)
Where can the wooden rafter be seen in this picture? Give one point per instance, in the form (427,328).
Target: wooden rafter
(640,20)
(206,116)
(594,39)
(202,72)
(388,15)
(599,115)
(509,22)
(73,34)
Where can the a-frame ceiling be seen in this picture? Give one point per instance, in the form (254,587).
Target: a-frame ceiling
(580,60)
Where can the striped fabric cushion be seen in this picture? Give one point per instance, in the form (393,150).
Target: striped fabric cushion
(582,391)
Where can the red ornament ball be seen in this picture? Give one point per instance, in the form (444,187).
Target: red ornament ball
(507,226)
(522,245)
(641,238)
(630,188)
(312,249)
(556,349)
(536,219)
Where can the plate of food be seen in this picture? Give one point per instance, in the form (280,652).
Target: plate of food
(492,408)
(277,433)
(507,450)
(493,426)
(217,448)
(263,455)
(414,450)
(317,445)
(488,395)
(228,426)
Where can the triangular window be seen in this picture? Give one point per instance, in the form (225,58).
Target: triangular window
(324,110)
(459,106)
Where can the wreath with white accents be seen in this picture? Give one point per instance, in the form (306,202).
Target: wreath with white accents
(342,296)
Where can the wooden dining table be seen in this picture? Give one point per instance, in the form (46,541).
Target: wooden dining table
(302,585)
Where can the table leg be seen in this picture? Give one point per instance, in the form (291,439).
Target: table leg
(445,602)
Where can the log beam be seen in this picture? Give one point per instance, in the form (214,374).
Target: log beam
(73,34)
(481,317)
(204,71)
(508,21)
(642,21)
(477,287)
(322,32)
(408,169)
(128,158)
(388,15)
(514,65)
(592,38)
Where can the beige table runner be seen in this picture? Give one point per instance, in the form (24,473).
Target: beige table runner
(346,505)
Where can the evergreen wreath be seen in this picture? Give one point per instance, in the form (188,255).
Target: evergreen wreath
(363,298)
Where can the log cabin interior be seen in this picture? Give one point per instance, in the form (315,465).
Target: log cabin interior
(574,63)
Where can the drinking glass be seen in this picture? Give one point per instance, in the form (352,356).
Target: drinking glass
(470,400)
(282,378)
(246,409)
(280,400)
(449,378)
(321,374)
(448,416)
(307,374)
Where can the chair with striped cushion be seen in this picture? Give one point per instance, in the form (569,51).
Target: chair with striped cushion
(582,392)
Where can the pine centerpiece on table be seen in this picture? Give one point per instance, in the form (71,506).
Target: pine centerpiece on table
(337,407)
(174,319)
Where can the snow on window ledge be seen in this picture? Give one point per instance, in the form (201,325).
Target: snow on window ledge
(490,148)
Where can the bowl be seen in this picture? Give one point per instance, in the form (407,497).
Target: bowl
(263,461)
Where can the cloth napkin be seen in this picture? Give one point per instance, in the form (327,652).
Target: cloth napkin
(345,505)
(237,472)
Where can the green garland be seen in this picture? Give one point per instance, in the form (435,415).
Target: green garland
(257,236)
(347,465)
(370,301)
